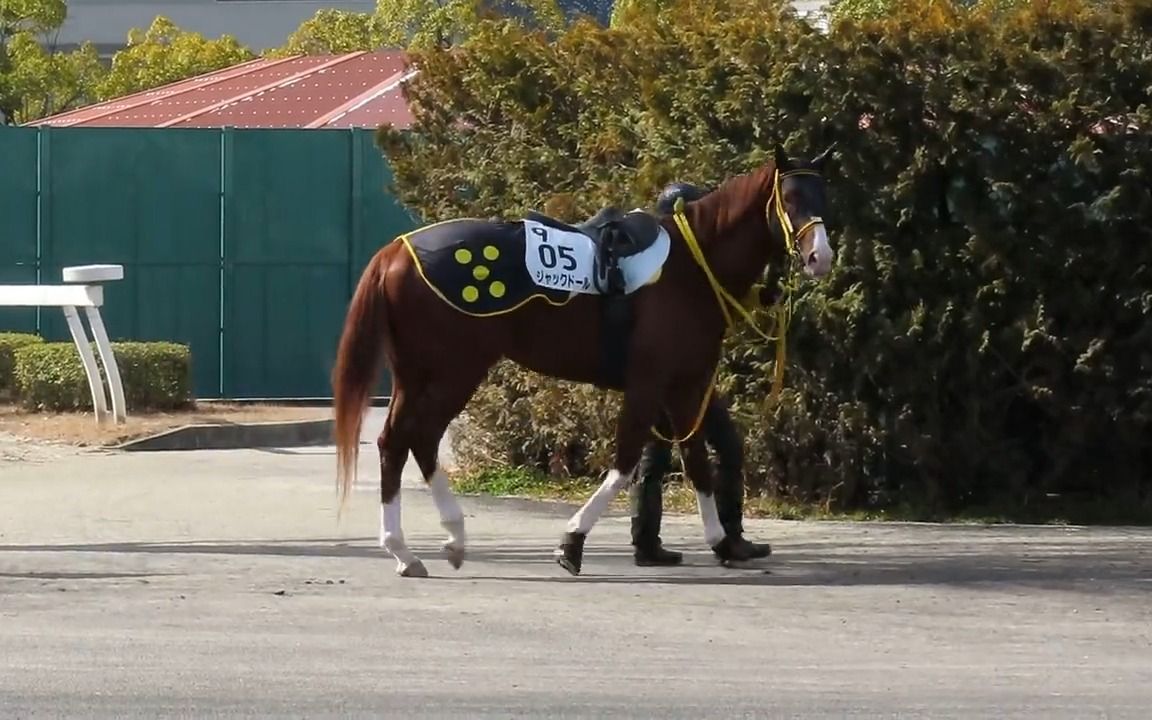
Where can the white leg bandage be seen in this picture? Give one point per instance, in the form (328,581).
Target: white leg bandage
(587,516)
(451,515)
(713,530)
(392,532)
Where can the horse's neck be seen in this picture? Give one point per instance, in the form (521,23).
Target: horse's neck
(733,230)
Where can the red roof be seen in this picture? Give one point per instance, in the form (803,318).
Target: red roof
(359,89)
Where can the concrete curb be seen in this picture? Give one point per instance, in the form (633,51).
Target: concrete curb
(237,436)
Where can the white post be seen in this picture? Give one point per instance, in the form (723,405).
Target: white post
(111,369)
(90,296)
(99,403)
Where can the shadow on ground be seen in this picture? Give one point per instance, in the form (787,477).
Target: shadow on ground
(1099,567)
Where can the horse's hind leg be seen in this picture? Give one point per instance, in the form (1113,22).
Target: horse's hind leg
(426,451)
(442,407)
(393,444)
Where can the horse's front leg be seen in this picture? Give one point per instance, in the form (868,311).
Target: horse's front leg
(699,472)
(641,405)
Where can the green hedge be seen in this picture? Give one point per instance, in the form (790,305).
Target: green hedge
(155,375)
(9,343)
(986,339)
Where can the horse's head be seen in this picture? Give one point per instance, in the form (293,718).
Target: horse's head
(797,210)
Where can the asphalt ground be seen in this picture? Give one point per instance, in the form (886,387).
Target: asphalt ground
(222,584)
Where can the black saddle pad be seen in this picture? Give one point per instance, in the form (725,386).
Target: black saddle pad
(477,266)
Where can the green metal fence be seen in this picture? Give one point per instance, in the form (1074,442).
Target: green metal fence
(245,244)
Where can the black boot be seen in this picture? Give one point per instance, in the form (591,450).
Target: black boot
(729,502)
(743,549)
(656,555)
(646,496)
(729,446)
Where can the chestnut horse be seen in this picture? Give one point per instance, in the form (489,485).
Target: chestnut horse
(439,355)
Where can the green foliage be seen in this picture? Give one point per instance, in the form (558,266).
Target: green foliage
(33,81)
(441,23)
(164,54)
(411,24)
(36,81)
(520,482)
(513,120)
(34,16)
(878,9)
(986,339)
(42,83)
(562,442)
(156,376)
(9,344)
(331,31)
(627,11)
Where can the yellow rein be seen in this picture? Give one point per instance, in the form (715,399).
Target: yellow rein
(781,310)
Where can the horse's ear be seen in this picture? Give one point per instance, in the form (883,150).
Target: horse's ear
(822,158)
(782,162)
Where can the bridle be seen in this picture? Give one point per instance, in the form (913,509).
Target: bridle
(791,235)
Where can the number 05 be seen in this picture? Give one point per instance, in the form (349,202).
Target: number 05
(548,256)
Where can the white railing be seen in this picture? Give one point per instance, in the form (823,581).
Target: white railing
(87,293)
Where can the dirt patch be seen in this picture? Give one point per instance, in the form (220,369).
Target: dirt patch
(80,429)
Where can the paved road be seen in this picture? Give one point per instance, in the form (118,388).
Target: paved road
(220,584)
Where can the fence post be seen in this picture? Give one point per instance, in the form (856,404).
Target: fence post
(88,274)
(88,293)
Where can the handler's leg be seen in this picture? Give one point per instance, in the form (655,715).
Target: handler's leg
(724,437)
(646,495)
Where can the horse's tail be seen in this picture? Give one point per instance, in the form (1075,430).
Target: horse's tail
(363,345)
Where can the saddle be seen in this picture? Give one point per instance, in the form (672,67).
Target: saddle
(615,234)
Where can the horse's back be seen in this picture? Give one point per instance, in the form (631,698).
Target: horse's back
(477,266)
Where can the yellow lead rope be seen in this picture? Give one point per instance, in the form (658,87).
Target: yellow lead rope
(781,310)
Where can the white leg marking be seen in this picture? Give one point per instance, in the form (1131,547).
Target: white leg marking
(443,496)
(713,530)
(587,516)
(392,540)
(451,516)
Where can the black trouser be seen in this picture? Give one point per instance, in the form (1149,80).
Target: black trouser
(646,494)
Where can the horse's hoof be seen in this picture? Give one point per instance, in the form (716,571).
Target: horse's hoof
(570,554)
(454,554)
(414,569)
(572,566)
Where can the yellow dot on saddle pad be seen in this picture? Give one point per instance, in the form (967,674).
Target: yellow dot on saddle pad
(470,293)
(480,272)
(491,252)
(497,289)
(463,256)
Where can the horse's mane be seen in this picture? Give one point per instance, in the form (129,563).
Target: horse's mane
(729,202)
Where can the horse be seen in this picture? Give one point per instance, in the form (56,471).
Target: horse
(442,304)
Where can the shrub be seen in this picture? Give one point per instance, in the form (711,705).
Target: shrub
(9,343)
(985,339)
(524,419)
(156,376)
